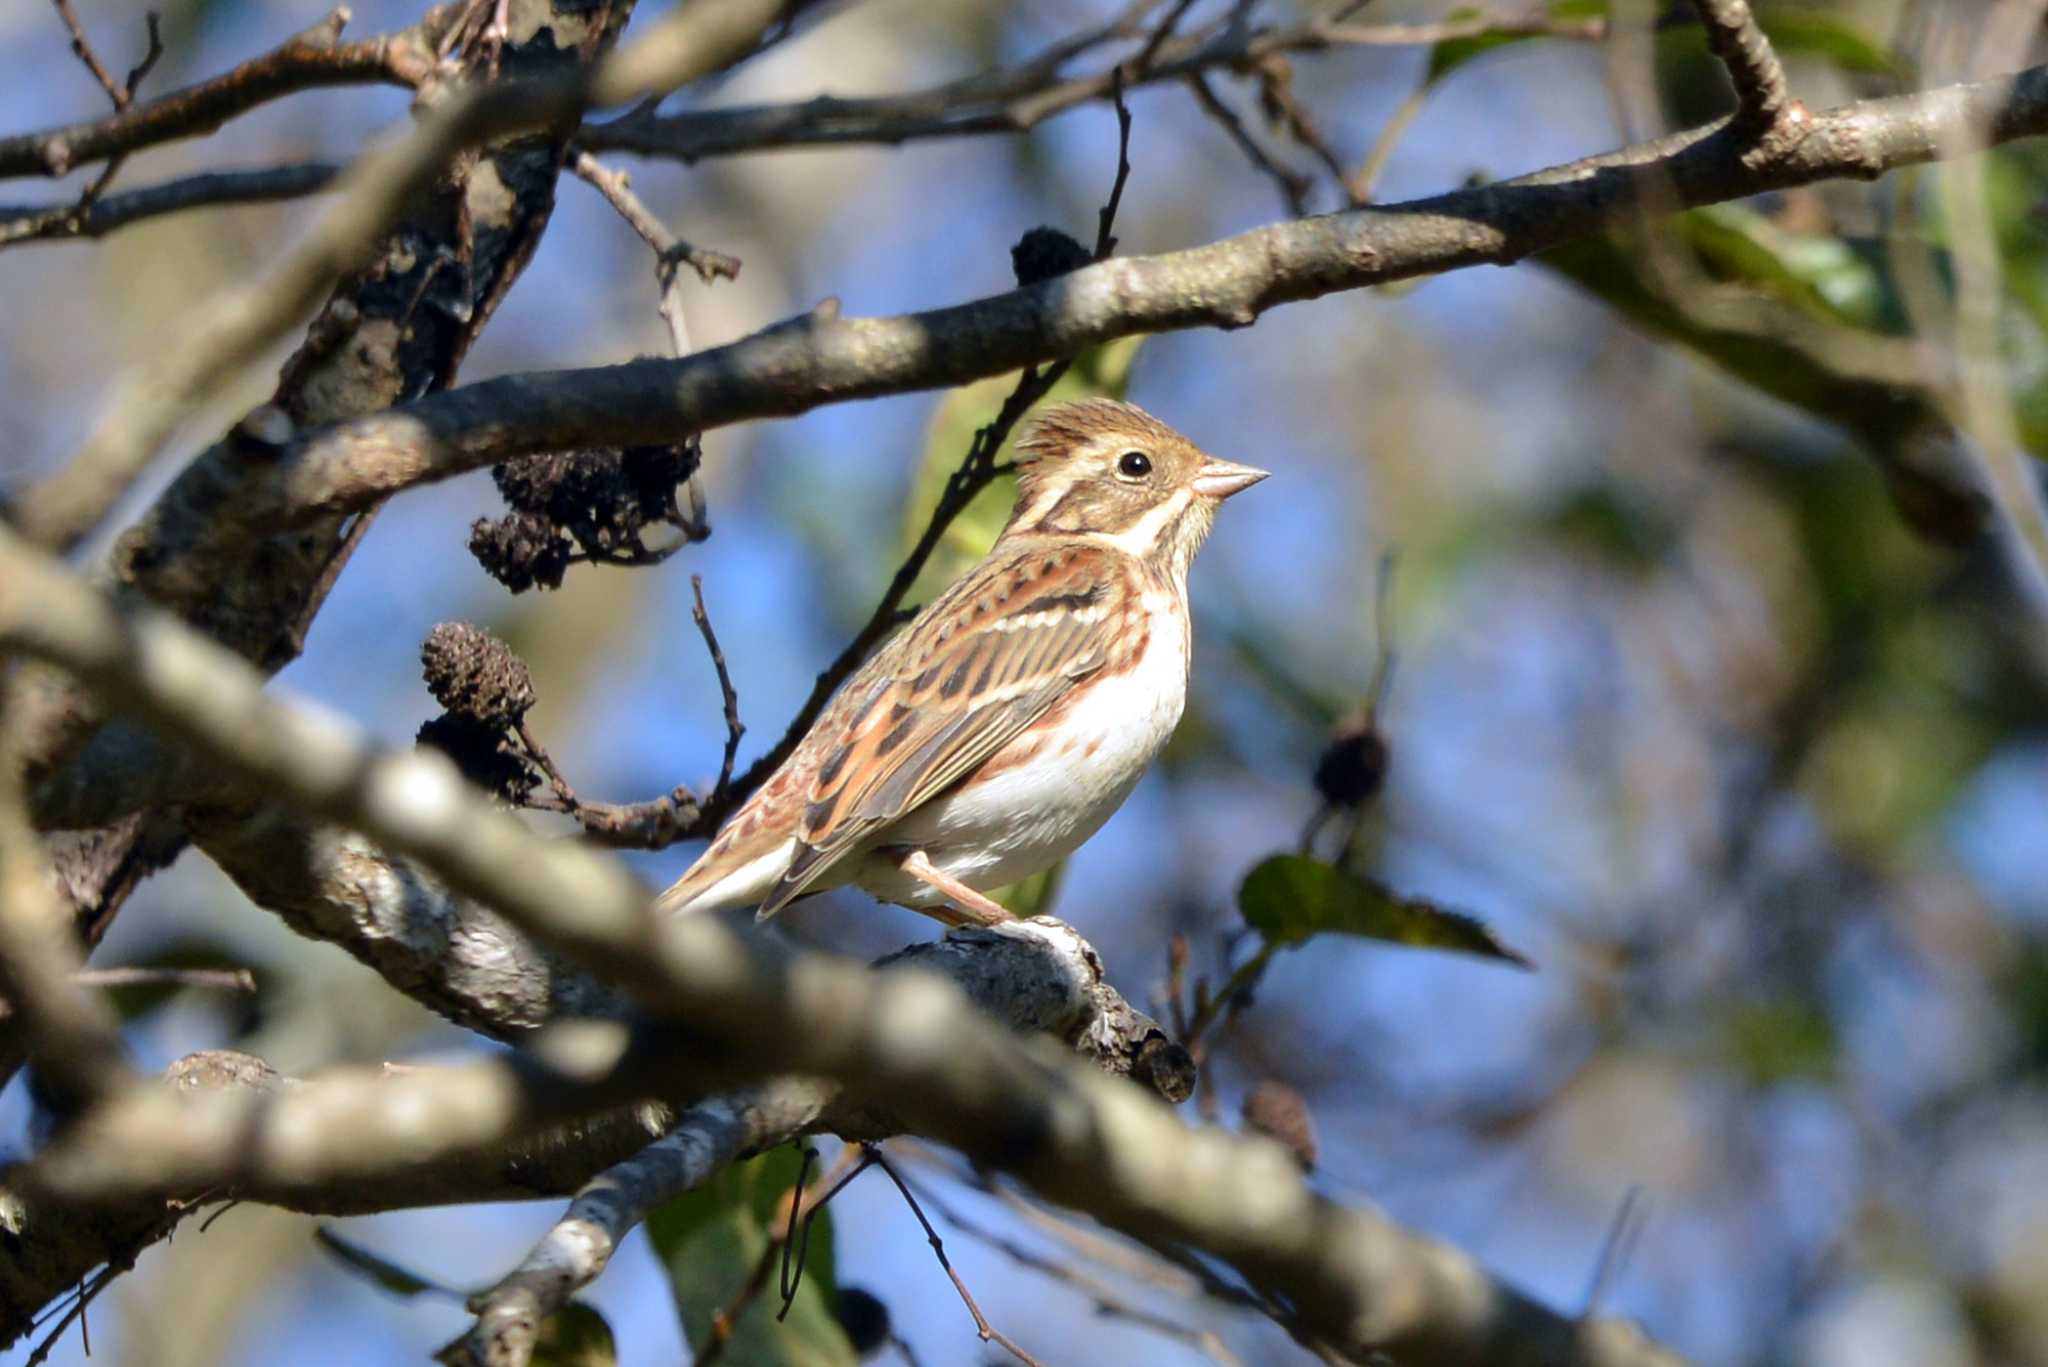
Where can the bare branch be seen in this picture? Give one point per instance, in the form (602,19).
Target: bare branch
(59,1242)
(312,59)
(617,188)
(577,1248)
(914,1054)
(987,1331)
(1034,977)
(1106,1300)
(1293,186)
(106,213)
(83,50)
(814,360)
(145,410)
(733,729)
(1016,99)
(1759,79)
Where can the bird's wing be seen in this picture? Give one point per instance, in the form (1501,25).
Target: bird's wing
(992,655)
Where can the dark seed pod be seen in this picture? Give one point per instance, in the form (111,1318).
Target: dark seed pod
(475,675)
(865,1320)
(1353,767)
(520,551)
(1043,253)
(481,754)
(1277,1111)
(598,502)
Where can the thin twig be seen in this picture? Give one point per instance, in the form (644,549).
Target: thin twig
(1015,99)
(211,979)
(1293,186)
(1142,63)
(988,1332)
(1285,110)
(85,54)
(1753,67)
(733,727)
(617,188)
(153,22)
(1619,1245)
(121,95)
(804,1208)
(1105,1298)
(105,214)
(670,253)
(1105,217)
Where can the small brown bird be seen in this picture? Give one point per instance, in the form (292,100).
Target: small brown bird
(1001,728)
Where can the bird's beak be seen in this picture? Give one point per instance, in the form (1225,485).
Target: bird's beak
(1219,479)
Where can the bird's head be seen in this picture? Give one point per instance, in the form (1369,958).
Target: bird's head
(1111,470)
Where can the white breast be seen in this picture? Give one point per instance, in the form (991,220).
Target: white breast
(1031,815)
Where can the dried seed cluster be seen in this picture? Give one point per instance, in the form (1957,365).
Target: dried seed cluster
(486,691)
(594,505)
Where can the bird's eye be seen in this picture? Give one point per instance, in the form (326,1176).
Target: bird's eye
(1134,465)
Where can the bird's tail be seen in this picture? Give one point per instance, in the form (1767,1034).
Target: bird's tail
(727,875)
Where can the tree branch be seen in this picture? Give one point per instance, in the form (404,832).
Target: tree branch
(1019,98)
(577,1248)
(108,213)
(308,61)
(809,361)
(361,1141)
(1759,79)
(909,1050)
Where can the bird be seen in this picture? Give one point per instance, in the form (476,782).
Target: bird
(999,729)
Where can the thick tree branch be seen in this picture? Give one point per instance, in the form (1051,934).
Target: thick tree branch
(360,1141)
(809,361)
(903,1045)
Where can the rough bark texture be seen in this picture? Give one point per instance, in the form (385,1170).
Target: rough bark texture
(396,331)
(304,1146)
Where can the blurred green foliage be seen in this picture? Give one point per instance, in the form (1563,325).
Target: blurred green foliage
(710,1242)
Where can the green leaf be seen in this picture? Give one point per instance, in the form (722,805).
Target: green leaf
(575,1336)
(709,1242)
(1290,897)
(1806,32)
(379,1270)
(1100,372)
(1822,273)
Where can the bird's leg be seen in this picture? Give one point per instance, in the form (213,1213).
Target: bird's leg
(969,908)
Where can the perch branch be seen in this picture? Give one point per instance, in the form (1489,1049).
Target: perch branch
(913,1053)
